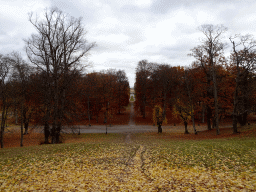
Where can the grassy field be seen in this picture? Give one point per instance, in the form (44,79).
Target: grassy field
(142,162)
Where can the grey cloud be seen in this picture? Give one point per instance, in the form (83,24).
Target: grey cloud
(2,33)
(76,9)
(135,35)
(7,25)
(173,52)
(185,29)
(131,21)
(164,6)
(130,9)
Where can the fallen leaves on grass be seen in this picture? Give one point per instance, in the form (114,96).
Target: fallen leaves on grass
(138,166)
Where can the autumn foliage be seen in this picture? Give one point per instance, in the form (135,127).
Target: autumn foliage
(96,98)
(211,90)
(183,93)
(93,98)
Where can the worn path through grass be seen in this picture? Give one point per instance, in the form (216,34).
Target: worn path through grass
(142,162)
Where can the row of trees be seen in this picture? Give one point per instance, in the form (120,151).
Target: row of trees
(107,92)
(212,88)
(26,95)
(14,75)
(51,89)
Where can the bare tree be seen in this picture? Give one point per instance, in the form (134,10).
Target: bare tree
(164,85)
(161,83)
(21,74)
(244,61)
(198,53)
(211,49)
(5,72)
(189,81)
(123,84)
(58,48)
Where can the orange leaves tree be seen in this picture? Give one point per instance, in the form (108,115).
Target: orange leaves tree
(5,71)
(183,111)
(204,102)
(243,62)
(155,85)
(159,118)
(208,55)
(186,97)
(105,91)
(162,81)
(141,86)
(123,90)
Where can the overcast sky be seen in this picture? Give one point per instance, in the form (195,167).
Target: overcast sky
(127,31)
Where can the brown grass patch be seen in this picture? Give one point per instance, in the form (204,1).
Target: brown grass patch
(12,139)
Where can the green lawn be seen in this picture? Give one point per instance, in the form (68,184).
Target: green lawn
(144,163)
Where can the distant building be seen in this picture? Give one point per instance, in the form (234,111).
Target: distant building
(132,93)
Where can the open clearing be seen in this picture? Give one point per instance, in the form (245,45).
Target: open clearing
(133,161)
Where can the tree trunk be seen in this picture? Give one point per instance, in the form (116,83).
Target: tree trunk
(16,116)
(119,102)
(193,121)
(2,137)
(235,124)
(203,113)
(213,123)
(235,109)
(186,127)
(89,115)
(62,105)
(46,132)
(243,119)
(53,133)
(55,105)
(160,130)
(46,123)
(58,132)
(21,127)
(209,115)
(106,114)
(144,107)
(164,107)
(105,118)
(6,114)
(216,119)
(26,127)
(25,121)
(2,125)
(209,95)
(235,112)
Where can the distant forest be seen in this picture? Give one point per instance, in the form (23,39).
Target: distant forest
(212,88)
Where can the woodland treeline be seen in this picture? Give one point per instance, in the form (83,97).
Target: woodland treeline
(212,88)
(51,89)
